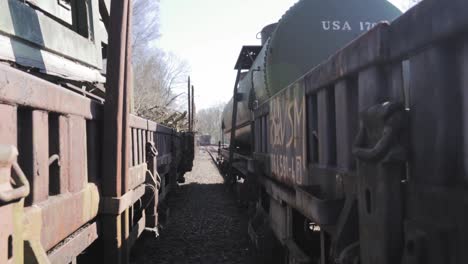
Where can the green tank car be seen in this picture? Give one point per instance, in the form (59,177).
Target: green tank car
(307,34)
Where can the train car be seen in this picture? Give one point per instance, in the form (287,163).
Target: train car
(204,140)
(81,177)
(361,158)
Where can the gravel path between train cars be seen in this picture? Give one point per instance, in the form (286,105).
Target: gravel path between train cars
(205,223)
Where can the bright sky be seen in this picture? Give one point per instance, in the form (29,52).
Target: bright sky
(209,34)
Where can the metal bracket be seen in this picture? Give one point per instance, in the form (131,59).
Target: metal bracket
(8,155)
(151,150)
(380,148)
(383,122)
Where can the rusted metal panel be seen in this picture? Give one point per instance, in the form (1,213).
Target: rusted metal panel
(396,82)
(117,206)
(318,205)
(286,126)
(94,148)
(117,130)
(431,22)
(143,144)
(372,87)
(381,152)
(132,147)
(78,176)
(163,129)
(6,234)
(112,237)
(463,73)
(64,146)
(141,123)
(74,246)
(141,149)
(40,158)
(10,236)
(326,127)
(8,124)
(151,210)
(17,87)
(346,105)
(135,146)
(435,108)
(137,175)
(164,159)
(115,110)
(379,187)
(50,222)
(137,230)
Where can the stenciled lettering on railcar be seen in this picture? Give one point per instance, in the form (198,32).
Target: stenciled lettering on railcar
(336,25)
(287,139)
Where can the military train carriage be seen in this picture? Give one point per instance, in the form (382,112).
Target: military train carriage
(81,178)
(351,151)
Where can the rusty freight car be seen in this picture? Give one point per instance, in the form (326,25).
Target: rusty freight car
(362,159)
(81,178)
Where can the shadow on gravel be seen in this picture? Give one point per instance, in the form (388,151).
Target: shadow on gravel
(205,225)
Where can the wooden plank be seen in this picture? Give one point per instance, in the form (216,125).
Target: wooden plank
(40,158)
(78,159)
(346,105)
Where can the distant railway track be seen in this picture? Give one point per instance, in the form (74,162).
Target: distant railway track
(212,150)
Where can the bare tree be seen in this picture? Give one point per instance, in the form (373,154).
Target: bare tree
(157,78)
(145,23)
(157,74)
(209,121)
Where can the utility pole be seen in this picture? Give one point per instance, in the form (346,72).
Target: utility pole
(189,114)
(193,108)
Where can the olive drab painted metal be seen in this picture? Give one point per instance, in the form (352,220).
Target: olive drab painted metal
(308,33)
(382,142)
(325,26)
(381,151)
